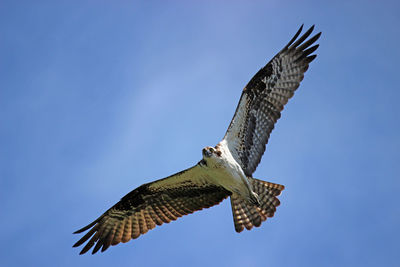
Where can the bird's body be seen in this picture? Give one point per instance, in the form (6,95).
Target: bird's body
(225,170)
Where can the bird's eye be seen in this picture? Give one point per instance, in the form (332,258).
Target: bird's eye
(212,149)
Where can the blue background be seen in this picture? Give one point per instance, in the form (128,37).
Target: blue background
(99,97)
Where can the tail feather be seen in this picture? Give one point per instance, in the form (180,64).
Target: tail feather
(246,215)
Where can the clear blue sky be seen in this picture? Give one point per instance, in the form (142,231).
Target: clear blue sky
(99,97)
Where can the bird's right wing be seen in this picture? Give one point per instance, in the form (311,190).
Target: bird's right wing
(152,204)
(264,97)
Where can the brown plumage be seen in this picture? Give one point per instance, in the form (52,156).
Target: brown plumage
(150,205)
(247,215)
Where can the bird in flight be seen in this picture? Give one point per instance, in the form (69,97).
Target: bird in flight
(225,170)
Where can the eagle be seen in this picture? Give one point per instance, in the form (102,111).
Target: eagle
(225,170)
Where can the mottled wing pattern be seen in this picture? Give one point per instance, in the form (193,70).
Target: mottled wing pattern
(149,205)
(247,215)
(263,99)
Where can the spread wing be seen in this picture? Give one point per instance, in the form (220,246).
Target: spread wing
(263,99)
(152,204)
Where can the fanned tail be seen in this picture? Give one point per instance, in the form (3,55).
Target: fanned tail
(247,215)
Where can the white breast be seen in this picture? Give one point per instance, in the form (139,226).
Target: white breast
(226,172)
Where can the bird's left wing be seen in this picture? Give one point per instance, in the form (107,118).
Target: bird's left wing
(263,99)
(152,204)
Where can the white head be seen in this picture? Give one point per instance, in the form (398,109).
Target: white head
(211,153)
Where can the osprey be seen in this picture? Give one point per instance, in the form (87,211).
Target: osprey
(225,170)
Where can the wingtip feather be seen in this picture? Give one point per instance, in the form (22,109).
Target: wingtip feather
(302,38)
(295,36)
(309,42)
(311,58)
(311,49)
(87,227)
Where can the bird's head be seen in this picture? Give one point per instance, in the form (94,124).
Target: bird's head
(209,152)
